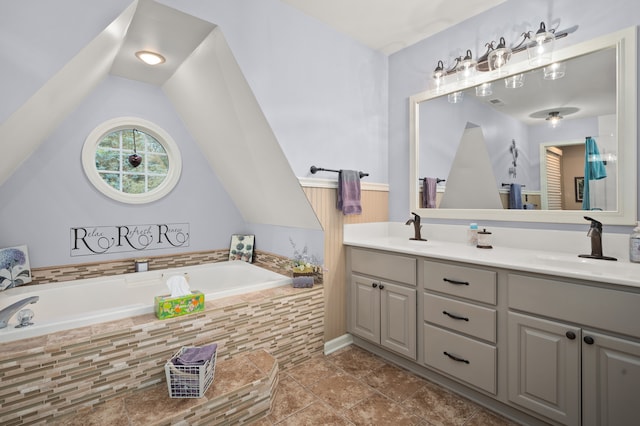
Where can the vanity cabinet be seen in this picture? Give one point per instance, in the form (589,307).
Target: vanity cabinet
(459,322)
(559,365)
(382,300)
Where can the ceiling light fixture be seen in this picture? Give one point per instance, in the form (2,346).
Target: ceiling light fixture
(539,45)
(554,118)
(150,58)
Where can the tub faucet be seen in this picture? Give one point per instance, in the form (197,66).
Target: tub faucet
(595,232)
(7,313)
(416,227)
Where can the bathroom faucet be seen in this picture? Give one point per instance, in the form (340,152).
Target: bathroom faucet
(595,232)
(416,227)
(7,313)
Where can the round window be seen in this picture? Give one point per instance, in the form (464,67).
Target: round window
(131,160)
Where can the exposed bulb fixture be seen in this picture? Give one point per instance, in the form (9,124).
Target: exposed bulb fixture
(134,159)
(554,118)
(466,67)
(484,90)
(150,58)
(499,56)
(541,46)
(554,71)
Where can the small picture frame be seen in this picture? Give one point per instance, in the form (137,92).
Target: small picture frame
(242,247)
(14,267)
(579,188)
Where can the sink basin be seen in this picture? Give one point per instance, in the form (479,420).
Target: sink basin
(569,263)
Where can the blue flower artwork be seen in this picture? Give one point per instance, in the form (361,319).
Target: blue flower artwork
(14,267)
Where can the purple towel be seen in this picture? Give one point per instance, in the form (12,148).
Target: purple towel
(349,192)
(196,355)
(429,192)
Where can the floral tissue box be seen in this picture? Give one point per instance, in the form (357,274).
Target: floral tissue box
(169,307)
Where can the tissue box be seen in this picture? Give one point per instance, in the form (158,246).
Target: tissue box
(169,307)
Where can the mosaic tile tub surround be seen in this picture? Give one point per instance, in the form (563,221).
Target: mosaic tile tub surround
(48,376)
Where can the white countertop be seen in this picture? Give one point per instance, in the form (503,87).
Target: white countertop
(448,242)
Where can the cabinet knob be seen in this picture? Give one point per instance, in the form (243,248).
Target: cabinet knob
(374,285)
(588,340)
(381,286)
(570,335)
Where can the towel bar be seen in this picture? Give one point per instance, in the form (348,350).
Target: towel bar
(315,169)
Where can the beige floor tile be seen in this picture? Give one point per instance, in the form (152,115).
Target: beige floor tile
(484,417)
(315,414)
(290,398)
(394,382)
(356,361)
(312,371)
(157,406)
(379,410)
(341,391)
(232,374)
(109,413)
(439,406)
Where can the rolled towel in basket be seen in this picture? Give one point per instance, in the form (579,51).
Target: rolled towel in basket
(196,355)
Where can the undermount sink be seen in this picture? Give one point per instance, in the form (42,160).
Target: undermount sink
(587,265)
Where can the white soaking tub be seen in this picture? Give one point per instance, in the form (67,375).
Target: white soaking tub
(72,304)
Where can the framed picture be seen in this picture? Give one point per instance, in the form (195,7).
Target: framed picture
(241,247)
(579,188)
(14,267)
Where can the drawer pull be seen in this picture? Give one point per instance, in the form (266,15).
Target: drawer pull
(455,358)
(455,282)
(456,317)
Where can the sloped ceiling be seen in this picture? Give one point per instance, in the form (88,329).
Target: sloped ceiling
(206,86)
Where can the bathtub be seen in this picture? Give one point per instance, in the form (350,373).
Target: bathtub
(63,306)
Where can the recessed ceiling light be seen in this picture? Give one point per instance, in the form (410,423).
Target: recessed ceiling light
(150,58)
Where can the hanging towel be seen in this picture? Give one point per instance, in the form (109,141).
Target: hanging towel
(349,192)
(429,192)
(515,196)
(594,169)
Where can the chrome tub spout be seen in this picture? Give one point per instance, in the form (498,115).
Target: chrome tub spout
(7,313)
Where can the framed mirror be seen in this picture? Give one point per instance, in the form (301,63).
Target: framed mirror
(512,144)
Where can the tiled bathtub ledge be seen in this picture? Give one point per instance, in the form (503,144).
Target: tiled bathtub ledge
(242,391)
(45,377)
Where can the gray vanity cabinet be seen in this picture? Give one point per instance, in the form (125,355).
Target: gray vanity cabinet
(559,365)
(382,300)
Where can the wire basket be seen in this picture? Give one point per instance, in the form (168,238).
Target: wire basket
(189,381)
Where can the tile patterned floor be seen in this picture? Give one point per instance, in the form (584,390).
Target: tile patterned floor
(354,387)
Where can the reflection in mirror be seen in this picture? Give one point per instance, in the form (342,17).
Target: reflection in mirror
(534,125)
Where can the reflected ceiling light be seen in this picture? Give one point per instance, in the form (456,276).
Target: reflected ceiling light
(150,58)
(455,97)
(554,71)
(514,81)
(541,46)
(483,90)
(554,118)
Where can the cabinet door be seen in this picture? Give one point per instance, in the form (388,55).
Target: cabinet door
(610,380)
(365,308)
(544,367)
(398,319)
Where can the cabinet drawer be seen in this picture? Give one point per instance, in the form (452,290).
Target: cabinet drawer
(386,266)
(477,361)
(466,318)
(462,281)
(587,305)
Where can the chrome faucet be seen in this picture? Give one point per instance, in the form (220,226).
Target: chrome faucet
(416,227)
(595,232)
(7,313)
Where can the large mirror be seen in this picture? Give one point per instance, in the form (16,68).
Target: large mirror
(512,144)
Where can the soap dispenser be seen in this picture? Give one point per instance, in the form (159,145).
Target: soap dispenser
(634,244)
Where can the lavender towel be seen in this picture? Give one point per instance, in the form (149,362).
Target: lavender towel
(349,192)
(196,355)
(429,192)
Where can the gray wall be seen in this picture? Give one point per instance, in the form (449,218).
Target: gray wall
(410,68)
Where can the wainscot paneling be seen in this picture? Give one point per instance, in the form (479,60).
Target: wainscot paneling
(322,195)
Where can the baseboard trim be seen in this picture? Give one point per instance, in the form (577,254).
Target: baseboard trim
(337,343)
